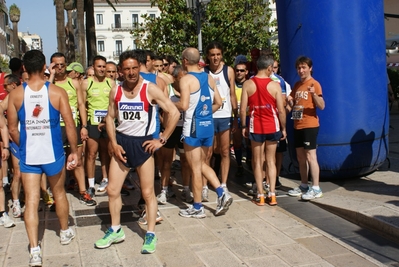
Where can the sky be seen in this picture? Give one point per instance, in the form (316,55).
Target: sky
(38,17)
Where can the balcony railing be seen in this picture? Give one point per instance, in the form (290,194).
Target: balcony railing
(124,26)
(117,53)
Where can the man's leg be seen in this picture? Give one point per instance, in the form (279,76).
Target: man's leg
(104,156)
(224,145)
(146,176)
(193,157)
(91,154)
(166,157)
(117,172)
(31,184)
(57,187)
(16,187)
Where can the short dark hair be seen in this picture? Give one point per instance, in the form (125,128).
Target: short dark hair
(57,54)
(34,61)
(156,57)
(172,59)
(15,64)
(303,60)
(128,54)
(149,53)
(141,56)
(98,57)
(214,44)
(177,70)
(12,78)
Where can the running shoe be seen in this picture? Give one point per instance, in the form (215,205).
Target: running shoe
(162,197)
(191,212)
(187,195)
(312,194)
(296,192)
(91,191)
(205,197)
(6,221)
(110,238)
(272,201)
(36,258)
(143,218)
(87,199)
(150,242)
(67,236)
(16,210)
(260,201)
(103,185)
(224,203)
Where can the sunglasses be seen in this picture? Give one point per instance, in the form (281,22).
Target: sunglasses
(165,64)
(240,70)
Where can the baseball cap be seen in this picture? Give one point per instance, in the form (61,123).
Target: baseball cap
(240,59)
(76,66)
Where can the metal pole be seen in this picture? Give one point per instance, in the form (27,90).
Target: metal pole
(199,26)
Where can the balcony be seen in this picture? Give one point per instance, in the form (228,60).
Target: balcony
(120,27)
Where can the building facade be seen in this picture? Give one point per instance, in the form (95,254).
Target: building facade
(4,29)
(32,41)
(113,28)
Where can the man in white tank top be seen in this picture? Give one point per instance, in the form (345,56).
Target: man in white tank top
(37,105)
(132,144)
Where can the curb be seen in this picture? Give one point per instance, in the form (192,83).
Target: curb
(382,227)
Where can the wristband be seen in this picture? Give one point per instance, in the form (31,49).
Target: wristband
(84,126)
(6,147)
(243,126)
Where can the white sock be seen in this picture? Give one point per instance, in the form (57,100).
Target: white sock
(105,179)
(91,182)
(316,187)
(223,185)
(261,195)
(35,249)
(16,201)
(205,187)
(270,194)
(5,180)
(149,232)
(116,228)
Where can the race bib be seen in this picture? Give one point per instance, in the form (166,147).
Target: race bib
(99,115)
(223,103)
(73,114)
(297,113)
(130,111)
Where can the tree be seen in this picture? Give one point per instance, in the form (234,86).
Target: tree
(60,17)
(15,15)
(91,39)
(238,25)
(69,5)
(80,9)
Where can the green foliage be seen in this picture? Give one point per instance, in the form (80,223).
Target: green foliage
(14,10)
(4,64)
(230,22)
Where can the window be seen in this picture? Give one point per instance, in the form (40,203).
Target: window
(117,20)
(99,19)
(135,21)
(100,46)
(152,16)
(118,47)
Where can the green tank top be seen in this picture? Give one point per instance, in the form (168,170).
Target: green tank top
(72,98)
(97,100)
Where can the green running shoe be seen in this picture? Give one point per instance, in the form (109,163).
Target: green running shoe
(150,242)
(110,238)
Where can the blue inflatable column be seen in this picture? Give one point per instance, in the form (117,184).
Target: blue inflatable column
(346,41)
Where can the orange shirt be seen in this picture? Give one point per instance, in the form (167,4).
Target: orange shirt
(304,110)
